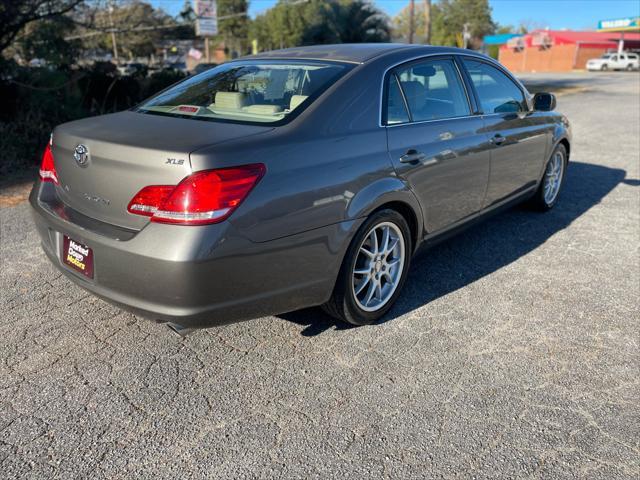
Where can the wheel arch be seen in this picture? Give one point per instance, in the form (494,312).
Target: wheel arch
(408,214)
(567,145)
(389,192)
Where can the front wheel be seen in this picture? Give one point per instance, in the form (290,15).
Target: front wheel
(373,270)
(604,67)
(547,194)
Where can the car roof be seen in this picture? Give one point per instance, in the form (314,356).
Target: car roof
(351,52)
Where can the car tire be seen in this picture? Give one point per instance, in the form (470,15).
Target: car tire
(604,67)
(630,67)
(385,268)
(552,180)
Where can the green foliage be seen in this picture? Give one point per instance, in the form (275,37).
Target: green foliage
(234,29)
(447,21)
(16,14)
(401,22)
(319,22)
(46,39)
(187,14)
(137,23)
(34,100)
(451,16)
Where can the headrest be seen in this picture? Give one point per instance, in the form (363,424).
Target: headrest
(296,100)
(232,100)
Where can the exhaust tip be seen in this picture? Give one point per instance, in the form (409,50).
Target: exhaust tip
(179,329)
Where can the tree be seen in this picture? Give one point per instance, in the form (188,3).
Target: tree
(233,29)
(352,21)
(46,39)
(320,22)
(138,28)
(452,15)
(400,23)
(427,20)
(185,30)
(187,13)
(16,14)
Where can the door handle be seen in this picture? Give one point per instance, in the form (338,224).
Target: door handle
(412,156)
(497,139)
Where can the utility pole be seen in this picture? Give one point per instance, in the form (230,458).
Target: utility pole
(427,21)
(412,11)
(466,35)
(113,32)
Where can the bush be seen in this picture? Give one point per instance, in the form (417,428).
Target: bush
(34,100)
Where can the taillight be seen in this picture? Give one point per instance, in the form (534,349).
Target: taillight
(47,167)
(204,197)
(147,200)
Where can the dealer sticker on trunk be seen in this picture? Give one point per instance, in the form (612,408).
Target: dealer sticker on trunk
(77,256)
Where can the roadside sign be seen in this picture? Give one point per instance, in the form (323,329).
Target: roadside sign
(206,18)
(620,24)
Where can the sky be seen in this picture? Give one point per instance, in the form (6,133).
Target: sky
(555,14)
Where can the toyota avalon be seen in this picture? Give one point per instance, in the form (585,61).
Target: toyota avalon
(293,178)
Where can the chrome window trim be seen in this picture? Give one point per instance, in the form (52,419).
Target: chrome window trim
(444,119)
(481,58)
(404,102)
(284,58)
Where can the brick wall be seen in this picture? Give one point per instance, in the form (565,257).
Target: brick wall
(558,58)
(585,54)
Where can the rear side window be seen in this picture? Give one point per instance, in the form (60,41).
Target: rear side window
(432,90)
(396,109)
(497,92)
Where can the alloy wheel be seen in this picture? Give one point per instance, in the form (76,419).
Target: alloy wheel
(553,177)
(378,267)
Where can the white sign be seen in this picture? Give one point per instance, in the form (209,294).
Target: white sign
(195,53)
(207,18)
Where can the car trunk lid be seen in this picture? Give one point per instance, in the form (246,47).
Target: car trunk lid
(126,152)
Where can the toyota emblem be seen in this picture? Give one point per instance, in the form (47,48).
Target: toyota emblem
(81,154)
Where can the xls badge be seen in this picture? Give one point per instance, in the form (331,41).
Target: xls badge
(81,155)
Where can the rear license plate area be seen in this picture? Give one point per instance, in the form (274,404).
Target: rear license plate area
(77,256)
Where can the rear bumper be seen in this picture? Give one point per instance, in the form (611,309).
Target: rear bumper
(195,276)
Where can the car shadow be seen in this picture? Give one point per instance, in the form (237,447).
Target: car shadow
(486,247)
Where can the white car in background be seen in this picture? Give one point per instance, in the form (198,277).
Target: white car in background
(614,61)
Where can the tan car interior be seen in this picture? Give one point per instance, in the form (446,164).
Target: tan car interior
(239,102)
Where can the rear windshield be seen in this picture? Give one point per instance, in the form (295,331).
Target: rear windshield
(247,91)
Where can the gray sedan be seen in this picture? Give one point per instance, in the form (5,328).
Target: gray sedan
(293,178)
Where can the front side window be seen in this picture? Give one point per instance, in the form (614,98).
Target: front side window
(497,92)
(247,92)
(432,89)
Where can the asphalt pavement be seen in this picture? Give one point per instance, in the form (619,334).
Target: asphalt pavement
(512,353)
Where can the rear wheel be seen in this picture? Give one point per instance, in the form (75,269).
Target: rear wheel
(373,270)
(552,180)
(629,67)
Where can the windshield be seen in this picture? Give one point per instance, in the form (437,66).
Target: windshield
(247,92)
(606,55)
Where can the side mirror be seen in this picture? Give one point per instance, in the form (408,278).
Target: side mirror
(544,102)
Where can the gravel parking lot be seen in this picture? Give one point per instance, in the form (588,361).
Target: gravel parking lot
(513,352)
